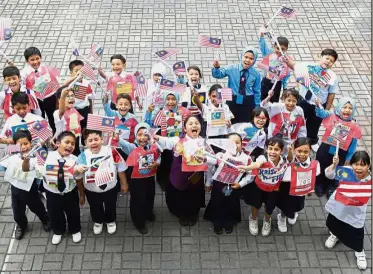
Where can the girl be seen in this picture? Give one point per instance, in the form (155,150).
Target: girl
(144,158)
(340,126)
(270,170)
(185,194)
(254,133)
(348,204)
(224,209)
(299,180)
(287,119)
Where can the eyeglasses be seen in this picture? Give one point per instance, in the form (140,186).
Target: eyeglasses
(261,118)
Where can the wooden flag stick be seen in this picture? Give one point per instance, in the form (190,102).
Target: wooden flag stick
(274,16)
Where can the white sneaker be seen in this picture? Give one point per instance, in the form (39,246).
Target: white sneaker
(361,260)
(294,220)
(315,147)
(266,228)
(77,237)
(56,239)
(111,227)
(97,228)
(253,226)
(281,223)
(331,241)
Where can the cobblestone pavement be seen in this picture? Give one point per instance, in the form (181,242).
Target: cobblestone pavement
(138,28)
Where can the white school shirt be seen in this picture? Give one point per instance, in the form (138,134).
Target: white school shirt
(14,174)
(258,140)
(305,164)
(352,215)
(104,151)
(206,114)
(80,104)
(50,176)
(16,120)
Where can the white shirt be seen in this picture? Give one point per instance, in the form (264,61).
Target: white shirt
(16,120)
(216,130)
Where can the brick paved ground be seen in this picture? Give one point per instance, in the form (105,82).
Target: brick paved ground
(137,29)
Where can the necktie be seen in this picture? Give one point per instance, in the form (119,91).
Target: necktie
(23,121)
(37,74)
(60,175)
(243,82)
(123,119)
(103,187)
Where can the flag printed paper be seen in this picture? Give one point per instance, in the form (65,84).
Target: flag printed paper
(80,90)
(11,149)
(301,75)
(287,12)
(102,123)
(206,41)
(166,53)
(41,130)
(226,94)
(103,174)
(171,85)
(41,156)
(96,52)
(88,72)
(225,144)
(74,46)
(142,87)
(345,174)
(51,88)
(227,174)
(179,67)
(5,29)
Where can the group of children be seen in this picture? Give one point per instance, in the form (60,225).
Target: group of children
(265,156)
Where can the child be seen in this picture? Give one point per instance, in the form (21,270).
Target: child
(30,73)
(118,79)
(66,117)
(24,187)
(171,119)
(287,119)
(324,89)
(347,210)
(185,194)
(102,199)
(224,208)
(244,80)
(267,82)
(60,185)
(299,180)
(13,79)
(144,158)
(83,104)
(340,126)
(272,169)
(21,105)
(254,133)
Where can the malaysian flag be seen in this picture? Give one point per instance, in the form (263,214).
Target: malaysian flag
(205,41)
(5,29)
(226,94)
(53,71)
(353,193)
(51,88)
(74,45)
(80,91)
(41,156)
(287,12)
(171,85)
(11,149)
(103,174)
(96,52)
(326,76)
(142,86)
(101,123)
(87,71)
(41,130)
(302,75)
(179,67)
(164,54)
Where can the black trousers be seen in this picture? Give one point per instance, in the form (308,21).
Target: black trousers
(242,113)
(113,107)
(313,122)
(58,205)
(47,107)
(266,86)
(142,200)
(21,198)
(164,169)
(83,123)
(103,205)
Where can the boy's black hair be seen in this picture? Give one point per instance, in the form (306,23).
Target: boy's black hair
(22,134)
(59,91)
(195,68)
(187,119)
(75,63)
(235,134)
(118,56)
(214,87)
(20,98)
(302,141)
(275,140)
(257,111)
(124,96)
(291,91)
(30,52)
(283,41)
(362,156)
(64,134)
(330,52)
(11,71)
(87,132)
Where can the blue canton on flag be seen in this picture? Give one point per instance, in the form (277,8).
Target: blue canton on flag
(345,174)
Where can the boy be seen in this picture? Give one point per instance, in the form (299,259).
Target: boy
(244,80)
(13,79)
(60,187)
(324,88)
(29,74)
(24,187)
(267,82)
(21,104)
(102,199)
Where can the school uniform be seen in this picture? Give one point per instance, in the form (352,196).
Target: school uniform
(102,199)
(298,181)
(49,103)
(63,199)
(347,211)
(216,118)
(6,104)
(16,120)
(24,191)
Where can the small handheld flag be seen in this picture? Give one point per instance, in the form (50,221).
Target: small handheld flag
(166,53)
(142,86)
(96,52)
(5,29)
(11,149)
(87,71)
(41,156)
(287,12)
(205,41)
(345,174)
(179,67)
(41,130)
(226,94)
(102,123)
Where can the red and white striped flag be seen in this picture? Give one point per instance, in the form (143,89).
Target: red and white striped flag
(51,88)
(88,71)
(80,91)
(102,123)
(354,193)
(164,54)
(287,13)
(302,75)
(40,129)
(142,86)
(326,76)
(226,94)
(5,29)
(41,156)
(96,52)
(53,71)
(206,41)
(103,174)
(11,149)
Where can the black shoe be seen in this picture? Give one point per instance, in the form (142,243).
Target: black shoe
(19,232)
(320,191)
(142,230)
(151,218)
(162,185)
(183,221)
(330,192)
(193,220)
(218,229)
(229,229)
(47,225)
